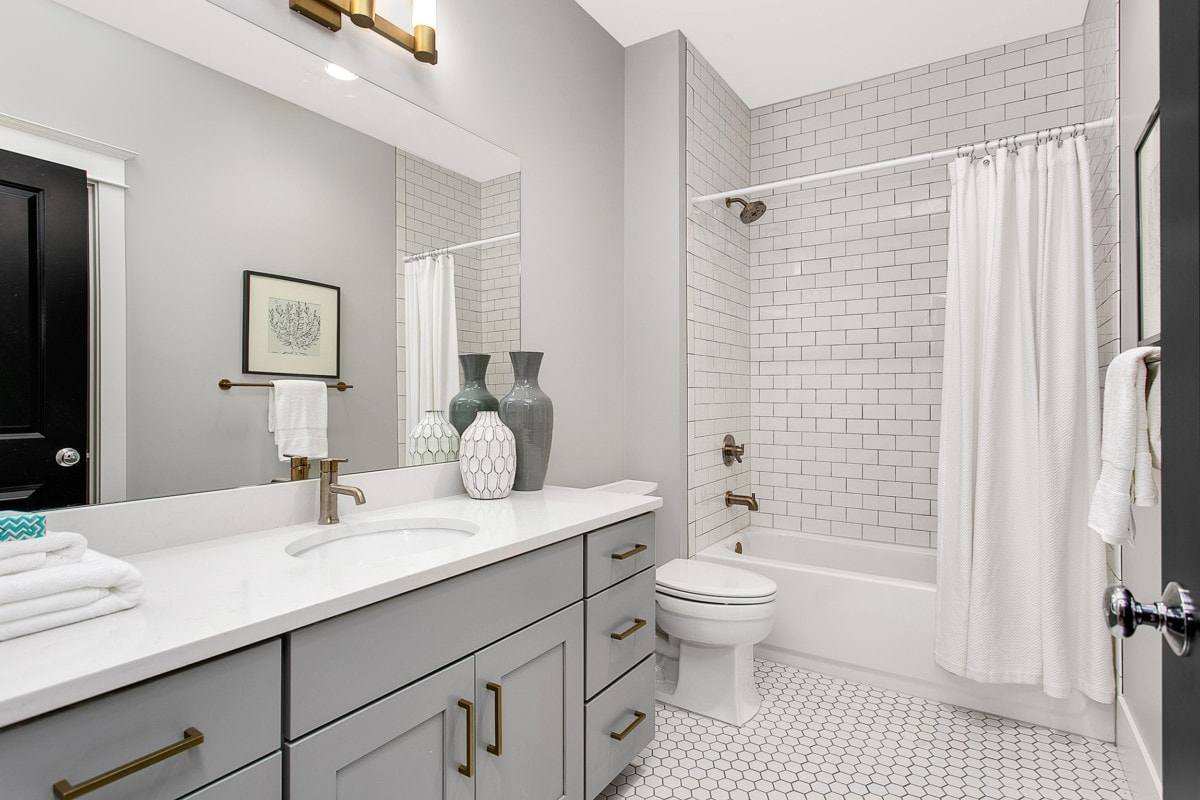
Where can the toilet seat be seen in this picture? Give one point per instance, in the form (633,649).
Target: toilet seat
(715,584)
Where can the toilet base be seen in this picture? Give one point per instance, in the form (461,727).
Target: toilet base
(716,682)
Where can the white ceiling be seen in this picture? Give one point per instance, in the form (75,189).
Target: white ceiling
(774,50)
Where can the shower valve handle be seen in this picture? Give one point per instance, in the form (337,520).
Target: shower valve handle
(1174,615)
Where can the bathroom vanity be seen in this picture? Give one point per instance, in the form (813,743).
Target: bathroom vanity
(515,663)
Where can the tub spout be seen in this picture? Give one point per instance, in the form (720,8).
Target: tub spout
(750,501)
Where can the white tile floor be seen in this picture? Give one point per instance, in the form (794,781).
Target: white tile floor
(818,737)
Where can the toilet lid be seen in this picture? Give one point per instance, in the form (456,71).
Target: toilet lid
(693,579)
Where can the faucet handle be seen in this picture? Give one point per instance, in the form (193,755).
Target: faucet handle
(299,467)
(330,465)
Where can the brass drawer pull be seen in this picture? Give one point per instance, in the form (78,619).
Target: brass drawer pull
(630,553)
(63,789)
(468,769)
(638,624)
(638,716)
(497,749)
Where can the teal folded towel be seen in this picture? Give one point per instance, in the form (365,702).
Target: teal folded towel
(19,525)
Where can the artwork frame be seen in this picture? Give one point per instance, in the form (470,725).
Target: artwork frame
(1148,212)
(290,326)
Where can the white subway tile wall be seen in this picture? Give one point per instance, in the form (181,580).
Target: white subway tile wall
(435,208)
(848,282)
(718,303)
(1100,96)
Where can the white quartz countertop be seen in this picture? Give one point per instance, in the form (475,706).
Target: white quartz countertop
(209,598)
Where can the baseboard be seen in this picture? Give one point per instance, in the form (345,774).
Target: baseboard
(1144,780)
(1083,716)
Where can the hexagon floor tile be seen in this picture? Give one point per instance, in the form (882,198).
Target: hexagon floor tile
(819,738)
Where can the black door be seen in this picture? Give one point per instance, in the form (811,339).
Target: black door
(43,333)
(1179,32)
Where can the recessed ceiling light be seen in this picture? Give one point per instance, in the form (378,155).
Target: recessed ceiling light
(340,73)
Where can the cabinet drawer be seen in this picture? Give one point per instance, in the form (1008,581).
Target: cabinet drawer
(615,612)
(234,701)
(344,663)
(619,551)
(613,714)
(261,781)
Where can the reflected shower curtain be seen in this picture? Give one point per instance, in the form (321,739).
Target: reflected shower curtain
(1020,577)
(430,336)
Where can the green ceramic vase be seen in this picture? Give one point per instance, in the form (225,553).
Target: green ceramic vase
(474,396)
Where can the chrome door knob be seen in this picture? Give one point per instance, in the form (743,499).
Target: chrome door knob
(67,457)
(1174,615)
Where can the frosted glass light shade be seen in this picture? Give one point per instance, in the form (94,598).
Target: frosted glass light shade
(424,13)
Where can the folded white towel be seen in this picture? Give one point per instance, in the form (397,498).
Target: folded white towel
(1125,460)
(60,595)
(298,415)
(53,549)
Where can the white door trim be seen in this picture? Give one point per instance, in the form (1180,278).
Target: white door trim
(105,167)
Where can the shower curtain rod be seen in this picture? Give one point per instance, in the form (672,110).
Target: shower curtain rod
(904,161)
(457,247)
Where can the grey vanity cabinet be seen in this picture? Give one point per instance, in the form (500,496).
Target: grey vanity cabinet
(518,704)
(413,743)
(529,701)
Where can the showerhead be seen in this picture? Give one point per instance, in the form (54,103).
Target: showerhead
(751,211)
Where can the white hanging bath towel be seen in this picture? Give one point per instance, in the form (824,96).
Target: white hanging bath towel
(298,415)
(60,595)
(430,336)
(1126,468)
(53,549)
(1020,431)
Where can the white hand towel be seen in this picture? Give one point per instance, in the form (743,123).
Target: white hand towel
(1154,414)
(298,415)
(53,549)
(60,595)
(1125,460)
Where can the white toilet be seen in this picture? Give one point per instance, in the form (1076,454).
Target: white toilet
(712,616)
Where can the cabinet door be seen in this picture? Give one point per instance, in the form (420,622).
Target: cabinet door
(410,744)
(530,704)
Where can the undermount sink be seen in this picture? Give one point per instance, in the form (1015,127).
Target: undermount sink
(380,539)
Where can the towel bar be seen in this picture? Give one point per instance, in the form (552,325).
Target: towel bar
(225,385)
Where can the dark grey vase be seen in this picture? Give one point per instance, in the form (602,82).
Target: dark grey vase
(474,396)
(529,414)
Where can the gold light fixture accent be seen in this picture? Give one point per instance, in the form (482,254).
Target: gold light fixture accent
(422,42)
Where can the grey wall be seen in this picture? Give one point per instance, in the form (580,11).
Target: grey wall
(655,403)
(542,79)
(227,178)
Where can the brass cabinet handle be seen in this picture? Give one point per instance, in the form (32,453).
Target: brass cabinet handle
(64,790)
(497,749)
(630,553)
(638,716)
(638,624)
(468,769)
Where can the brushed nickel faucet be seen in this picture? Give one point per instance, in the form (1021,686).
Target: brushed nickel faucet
(750,501)
(330,489)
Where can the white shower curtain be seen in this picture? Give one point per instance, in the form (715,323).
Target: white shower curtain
(430,336)
(1019,576)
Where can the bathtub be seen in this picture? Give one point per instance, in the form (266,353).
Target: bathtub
(864,611)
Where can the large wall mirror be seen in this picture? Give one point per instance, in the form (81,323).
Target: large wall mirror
(187,199)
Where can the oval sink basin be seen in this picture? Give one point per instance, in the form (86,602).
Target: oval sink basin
(381,539)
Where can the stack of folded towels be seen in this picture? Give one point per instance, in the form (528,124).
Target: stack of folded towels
(48,579)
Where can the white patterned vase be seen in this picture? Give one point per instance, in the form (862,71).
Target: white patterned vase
(433,440)
(488,457)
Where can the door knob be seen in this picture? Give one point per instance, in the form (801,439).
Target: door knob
(67,457)
(1174,615)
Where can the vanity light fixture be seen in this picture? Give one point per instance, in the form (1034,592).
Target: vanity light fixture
(422,42)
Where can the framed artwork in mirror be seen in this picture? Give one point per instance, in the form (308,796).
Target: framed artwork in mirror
(290,326)
(1148,161)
